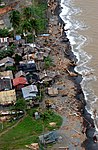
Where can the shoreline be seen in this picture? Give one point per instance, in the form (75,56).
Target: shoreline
(88,123)
(70,102)
(76,96)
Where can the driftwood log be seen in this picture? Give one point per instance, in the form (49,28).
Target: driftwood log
(72,74)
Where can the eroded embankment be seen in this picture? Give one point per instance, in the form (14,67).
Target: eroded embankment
(69,102)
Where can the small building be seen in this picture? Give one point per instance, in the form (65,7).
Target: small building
(4,40)
(44,77)
(28,66)
(5,84)
(28,57)
(48,76)
(7,61)
(52,91)
(29,92)
(19,82)
(6,74)
(32,77)
(28,49)
(7,97)
(20,74)
(50,137)
(11,40)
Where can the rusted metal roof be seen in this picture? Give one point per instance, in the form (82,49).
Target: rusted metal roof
(20,81)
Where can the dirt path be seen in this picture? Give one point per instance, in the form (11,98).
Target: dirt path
(5,131)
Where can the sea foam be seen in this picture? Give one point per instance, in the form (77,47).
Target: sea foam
(77,42)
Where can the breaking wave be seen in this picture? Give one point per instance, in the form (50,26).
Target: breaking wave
(78,42)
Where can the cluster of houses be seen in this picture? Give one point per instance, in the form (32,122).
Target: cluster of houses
(29,71)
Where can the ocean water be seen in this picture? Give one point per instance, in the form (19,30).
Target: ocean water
(81,18)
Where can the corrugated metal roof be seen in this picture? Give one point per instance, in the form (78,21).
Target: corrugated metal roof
(6,59)
(20,73)
(29,91)
(20,81)
(5,84)
(6,74)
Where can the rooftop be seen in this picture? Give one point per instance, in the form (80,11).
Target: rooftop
(52,91)
(6,74)
(5,84)
(29,91)
(20,81)
(7,97)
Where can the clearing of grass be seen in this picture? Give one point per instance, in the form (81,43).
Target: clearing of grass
(28,130)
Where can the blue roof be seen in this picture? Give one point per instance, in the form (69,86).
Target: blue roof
(18,37)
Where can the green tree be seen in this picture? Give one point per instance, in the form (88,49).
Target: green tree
(15,20)
(27,13)
(26,27)
(12,68)
(17,58)
(20,104)
(4,32)
(29,21)
(34,27)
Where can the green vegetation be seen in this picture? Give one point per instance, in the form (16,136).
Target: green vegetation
(12,68)
(40,13)
(15,20)
(28,130)
(48,62)
(17,58)
(7,52)
(4,32)
(20,104)
(31,20)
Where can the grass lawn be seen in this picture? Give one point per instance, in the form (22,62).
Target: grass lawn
(27,132)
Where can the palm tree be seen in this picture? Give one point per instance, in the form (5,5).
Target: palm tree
(34,27)
(15,19)
(27,12)
(26,27)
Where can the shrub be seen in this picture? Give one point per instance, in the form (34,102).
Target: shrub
(48,62)
(4,32)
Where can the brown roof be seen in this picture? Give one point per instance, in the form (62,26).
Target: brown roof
(6,74)
(7,97)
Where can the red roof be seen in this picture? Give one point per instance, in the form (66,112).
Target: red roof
(19,81)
